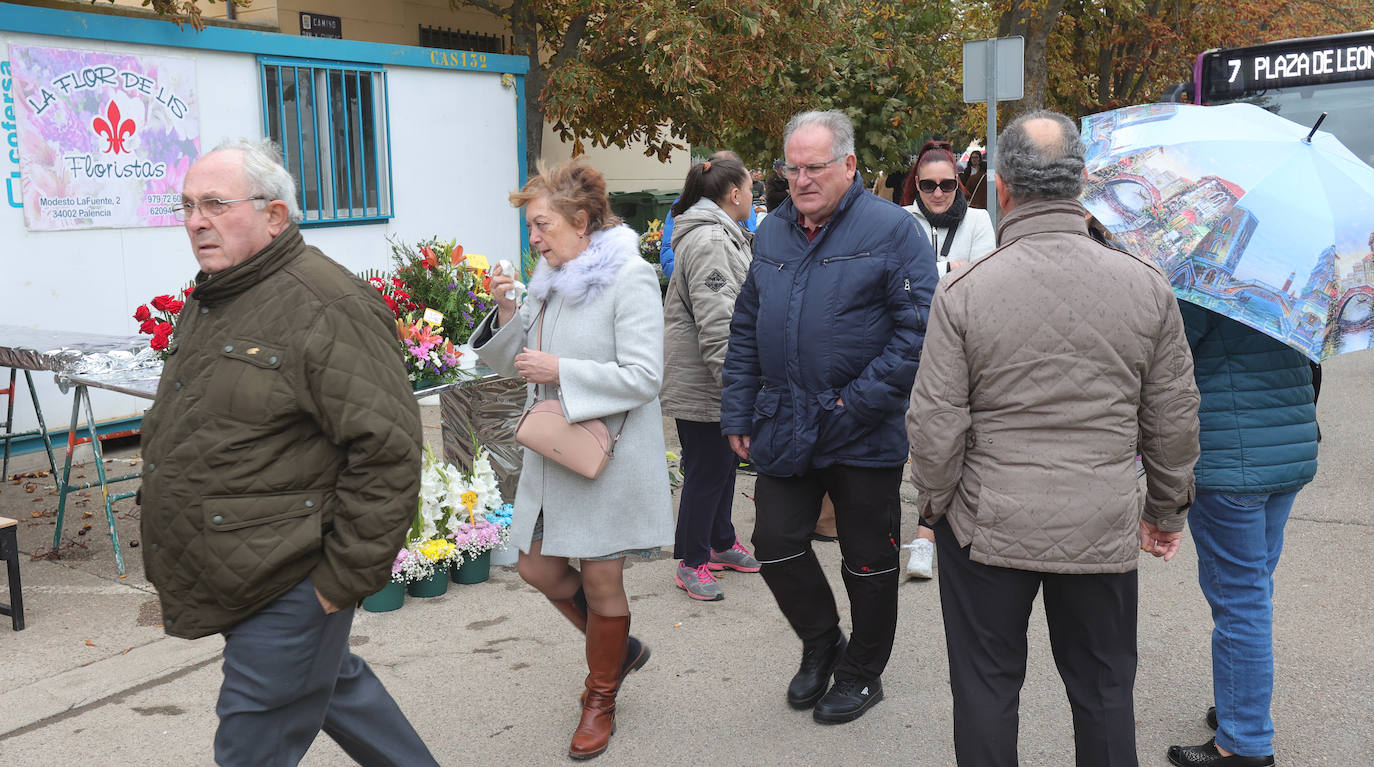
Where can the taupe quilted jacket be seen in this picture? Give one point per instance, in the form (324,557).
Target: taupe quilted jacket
(284,442)
(1047,366)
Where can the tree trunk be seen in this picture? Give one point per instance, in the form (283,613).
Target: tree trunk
(1034,21)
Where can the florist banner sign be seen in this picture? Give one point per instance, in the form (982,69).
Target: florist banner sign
(104,138)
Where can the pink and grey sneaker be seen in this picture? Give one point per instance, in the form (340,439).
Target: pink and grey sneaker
(735,558)
(699,583)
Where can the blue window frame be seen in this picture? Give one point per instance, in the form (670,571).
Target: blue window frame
(331,122)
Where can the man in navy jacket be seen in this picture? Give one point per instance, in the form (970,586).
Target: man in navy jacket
(824,346)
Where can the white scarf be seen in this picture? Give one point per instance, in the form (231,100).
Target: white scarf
(590,272)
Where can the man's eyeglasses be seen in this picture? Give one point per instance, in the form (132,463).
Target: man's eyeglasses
(209,207)
(790,171)
(928,186)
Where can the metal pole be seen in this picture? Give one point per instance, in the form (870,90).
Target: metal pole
(990,156)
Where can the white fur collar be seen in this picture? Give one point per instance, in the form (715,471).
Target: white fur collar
(591,272)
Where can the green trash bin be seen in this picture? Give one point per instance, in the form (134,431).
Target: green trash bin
(632,207)
(637,209)
(660,201)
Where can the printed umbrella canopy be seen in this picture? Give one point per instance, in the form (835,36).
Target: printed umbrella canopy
(1250,215)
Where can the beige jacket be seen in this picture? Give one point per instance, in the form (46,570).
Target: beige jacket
(1047,366)
(712,262)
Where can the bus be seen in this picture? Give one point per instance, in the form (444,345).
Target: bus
(1299,79)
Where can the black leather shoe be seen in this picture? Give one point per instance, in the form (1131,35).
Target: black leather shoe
(1212,717)
(817,664)
(1206,755)
(848,700)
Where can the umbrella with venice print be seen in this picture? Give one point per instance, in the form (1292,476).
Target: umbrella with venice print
(1250,215)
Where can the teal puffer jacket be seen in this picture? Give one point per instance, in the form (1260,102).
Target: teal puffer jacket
(1258,417)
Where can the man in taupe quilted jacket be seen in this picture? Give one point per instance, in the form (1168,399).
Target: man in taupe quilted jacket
(282,464)
(1048,365)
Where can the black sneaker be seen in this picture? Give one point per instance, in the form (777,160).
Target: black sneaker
(847,700)
(810,681)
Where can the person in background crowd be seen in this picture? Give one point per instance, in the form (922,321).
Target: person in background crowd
(590,335)
(974,177)
(1259,448)
(713,258)
(281,471)
(756,184)
(824,344)
(666,257)
(959,236)
(775,187)
(1048,364)
(896,181)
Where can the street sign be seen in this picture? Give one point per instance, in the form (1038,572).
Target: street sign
(994,71)
(320,25)
(1011,81)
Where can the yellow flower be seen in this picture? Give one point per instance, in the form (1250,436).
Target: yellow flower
(436,549)
(469,500)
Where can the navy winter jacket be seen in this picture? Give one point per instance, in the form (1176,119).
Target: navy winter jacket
(816,323)
(1258,418)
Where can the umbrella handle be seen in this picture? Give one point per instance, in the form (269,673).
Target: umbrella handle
(1313,132)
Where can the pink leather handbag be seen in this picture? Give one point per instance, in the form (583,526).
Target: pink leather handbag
(584,447)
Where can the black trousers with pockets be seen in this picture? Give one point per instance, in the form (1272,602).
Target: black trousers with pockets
(867,518)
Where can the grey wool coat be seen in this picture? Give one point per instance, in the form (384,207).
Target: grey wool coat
(712,262)
(604,322)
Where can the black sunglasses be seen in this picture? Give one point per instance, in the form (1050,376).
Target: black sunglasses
(946,186)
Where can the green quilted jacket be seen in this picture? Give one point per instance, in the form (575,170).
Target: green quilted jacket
(284,442)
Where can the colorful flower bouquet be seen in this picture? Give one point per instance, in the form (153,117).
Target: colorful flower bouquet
(651,241)
(162,324)
(438,295)
(436,276)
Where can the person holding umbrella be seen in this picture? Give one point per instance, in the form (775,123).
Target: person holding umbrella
(1259,448)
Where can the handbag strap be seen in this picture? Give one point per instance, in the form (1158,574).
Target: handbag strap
(539,346)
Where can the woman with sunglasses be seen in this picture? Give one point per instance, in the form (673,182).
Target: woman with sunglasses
(960,235)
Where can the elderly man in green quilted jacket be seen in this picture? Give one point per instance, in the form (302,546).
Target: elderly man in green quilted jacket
(282,464)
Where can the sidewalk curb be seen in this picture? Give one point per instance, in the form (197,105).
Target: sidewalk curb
(102,679)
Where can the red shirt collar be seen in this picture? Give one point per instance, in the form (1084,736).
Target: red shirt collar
(811,234)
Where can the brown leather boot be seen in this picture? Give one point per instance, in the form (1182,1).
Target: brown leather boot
(575,610)
(606,641)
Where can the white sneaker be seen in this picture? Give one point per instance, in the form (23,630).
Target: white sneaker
(921,564)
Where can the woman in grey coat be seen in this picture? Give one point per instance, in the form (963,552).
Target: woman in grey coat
(590,335)
(712,261)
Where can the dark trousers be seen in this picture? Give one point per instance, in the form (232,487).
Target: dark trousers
(288,673)
(1092,627)
(708,492)
(867,518)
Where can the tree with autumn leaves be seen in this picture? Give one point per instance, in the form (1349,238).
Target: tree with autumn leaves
(728,73)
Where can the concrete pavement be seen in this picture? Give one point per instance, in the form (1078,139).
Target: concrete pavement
(489,674)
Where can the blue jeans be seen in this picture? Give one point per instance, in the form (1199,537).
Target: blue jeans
(1239,539)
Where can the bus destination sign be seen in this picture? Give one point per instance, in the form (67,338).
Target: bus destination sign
(1245,71)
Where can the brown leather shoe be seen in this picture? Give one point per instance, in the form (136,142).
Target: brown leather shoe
(606,641)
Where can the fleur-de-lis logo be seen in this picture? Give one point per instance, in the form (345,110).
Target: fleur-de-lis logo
(112,129)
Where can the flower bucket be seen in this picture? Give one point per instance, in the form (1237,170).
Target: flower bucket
(391,597)
(474,570)
(505,555)
(433,586)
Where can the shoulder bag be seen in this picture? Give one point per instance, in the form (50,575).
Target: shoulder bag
(584,447)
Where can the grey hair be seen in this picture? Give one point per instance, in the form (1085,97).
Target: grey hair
(837,122)
(1041,170)
(267,177)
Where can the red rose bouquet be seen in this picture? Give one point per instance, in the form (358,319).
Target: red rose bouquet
(160,321)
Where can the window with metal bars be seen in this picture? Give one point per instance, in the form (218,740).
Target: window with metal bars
(331,123)
(461,40)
